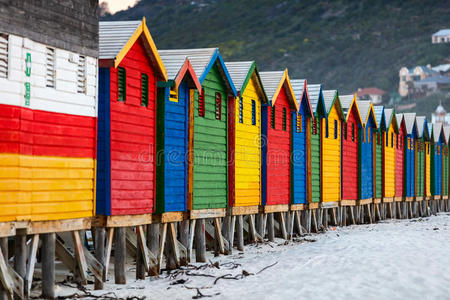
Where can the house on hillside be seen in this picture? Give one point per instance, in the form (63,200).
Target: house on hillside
(371,93)
(442,36)
(431,84)
(409,76)
(440,115)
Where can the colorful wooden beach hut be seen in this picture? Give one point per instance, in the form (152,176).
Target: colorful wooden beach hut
(366,150)
(173,114)
(438,138)
(410,154)
(209,140)
(319,112)
(301,136)
(245,135)
(390,136)
(276,139)
(378,151)
(350,140)
(400,155)
(445,163)
(421,149)
(428,143)
(130,67)
(331,147)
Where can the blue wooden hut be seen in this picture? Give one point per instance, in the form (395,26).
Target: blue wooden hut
(300,140)
(366,149)
(410,154)
(172,112)
(438,139)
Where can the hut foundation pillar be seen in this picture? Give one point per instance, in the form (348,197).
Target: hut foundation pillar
(4,250)
(99,253)
(200,241)
(48,265)
(270,227)
(120,253)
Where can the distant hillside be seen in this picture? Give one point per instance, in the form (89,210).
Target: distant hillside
(343,44)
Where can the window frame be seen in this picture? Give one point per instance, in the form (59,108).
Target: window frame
(144,90)
(121,97)
(218,111)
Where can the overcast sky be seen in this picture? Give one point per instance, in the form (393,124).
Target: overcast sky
(116,5)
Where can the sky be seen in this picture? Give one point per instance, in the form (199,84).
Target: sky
(116,5)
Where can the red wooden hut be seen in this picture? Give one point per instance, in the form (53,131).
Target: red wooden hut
(350,140)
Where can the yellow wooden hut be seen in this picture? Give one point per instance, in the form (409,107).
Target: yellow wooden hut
(390,138)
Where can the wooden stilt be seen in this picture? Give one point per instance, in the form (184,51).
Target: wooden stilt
(226,233)
(120,254)
(352,213)
(291,222)
(149,259)
(309,221)
(283,226)
(369,211)
(314,220)
(99,243)
(200,242)
(270,227)
(232,229)
(4,250)
(335,218)
(298,222)
(240,233)
(252,229)
(32,262)
(260,224)
(20,255)
(140,265)
(109,242)
(162,244)
(48,265)
(218,233)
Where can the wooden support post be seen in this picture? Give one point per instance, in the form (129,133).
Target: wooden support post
(314,219)
(99,243)
(109,242)
(260,224)
(271,227)
(153,238)
(200,242)
(240,233)
(48,265)
(291,219)
(335,219)
(80,258)
(4,250)
(10,280)
(174,244)
(226,233)
(369,211)
(141,256)
(20,254)
(283,225)
(191,239)
(162,244)
(232,228)
(170,251)
(308,224)
(120,254)
(150,260)
(184,240)
(298,222)
(32,262)
(218,233)
(252,228)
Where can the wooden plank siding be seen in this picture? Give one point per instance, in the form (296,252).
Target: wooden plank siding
(427,169)
(378,161)
(247,153)
(445,170)
(420,167)
(210,146)
(366,160)
(436,169)
(316,159)
(410,164)
(350,156)
(400,159)
(331,157)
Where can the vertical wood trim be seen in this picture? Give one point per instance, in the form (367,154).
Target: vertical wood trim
(190,151)
(308,157)
(231,150)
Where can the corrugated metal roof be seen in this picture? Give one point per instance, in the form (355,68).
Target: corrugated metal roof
(172,62)
(364,108)
(113,36)
(328,97)
(379,111)
(314,94)
(410,122)
(346,101)
(271,81)
(447,132)
(421,121)
(238,72)
(442,32)
(437,128)
(199,58)
(388,115)
(298,86)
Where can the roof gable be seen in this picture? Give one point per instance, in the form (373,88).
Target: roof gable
(300,88)
(438,135)
(366,110)
(273,82)
(178,67)
(447,133)
(118,37)
(379,116)
(331,98)
(348,103)
(422,127)
(241,73)
(410,123)
(391,119)
(316,98)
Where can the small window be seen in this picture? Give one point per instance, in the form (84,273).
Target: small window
(122,84)
(428,148)
(144,90)
(3,55)
(392,140)
(326,128)
(299,123)
(378,138)
(353,132)
(81,75)
(396,142)
(272,117)
(387,139)
(335,129)
(241,110)
(218,106)
(345,130)
(201,103)
(253,112)
(284,118)
(50,67)
(439,150)
(314,126)
(173,93)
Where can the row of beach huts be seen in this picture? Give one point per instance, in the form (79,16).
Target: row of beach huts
(165,154)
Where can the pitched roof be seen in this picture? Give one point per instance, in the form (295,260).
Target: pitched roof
(117,37)
(315,93)
(202,60)
(177,67)
(442,32)
(330,97)
(422,128)
(447,133)
(379,114)
(410,122)
(241,73)
(346,103)
(438,79)
(437,131)
(300,88)
(366,109)
(274,81)
(370,91)
(390,116)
